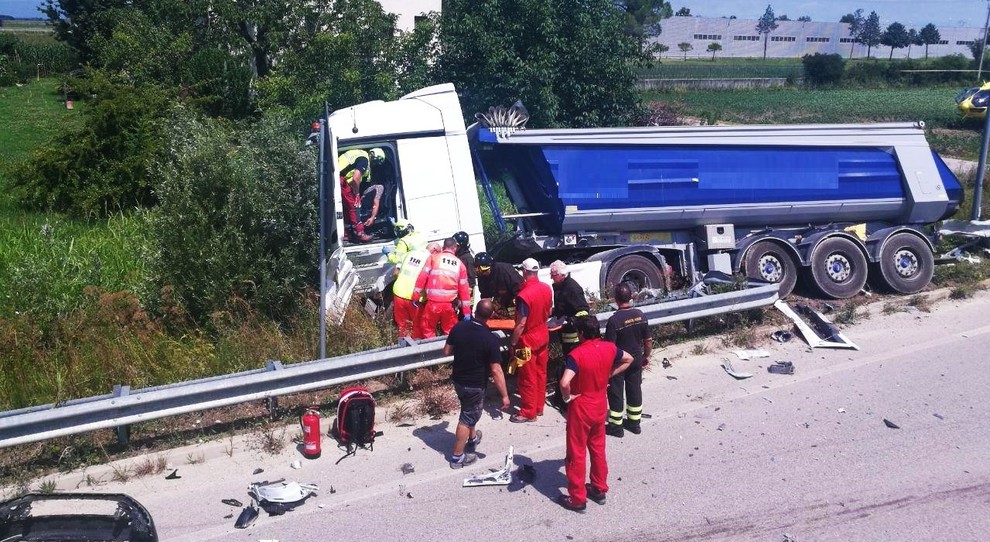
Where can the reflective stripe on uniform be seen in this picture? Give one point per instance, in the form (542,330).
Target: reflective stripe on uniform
(614,417)
(634,413)
(405,283)
(569,337)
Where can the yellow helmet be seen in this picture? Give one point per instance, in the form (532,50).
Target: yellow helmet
(377,154)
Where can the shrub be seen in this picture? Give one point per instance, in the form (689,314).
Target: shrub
(237,215)
(821,69)
(101,167)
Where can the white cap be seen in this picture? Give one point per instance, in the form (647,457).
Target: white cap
(531,265)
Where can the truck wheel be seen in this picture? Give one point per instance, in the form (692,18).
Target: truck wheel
(770,262)
(838,267)
(637,272)
(906,264)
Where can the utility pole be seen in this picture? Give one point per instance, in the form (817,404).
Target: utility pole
(983,49)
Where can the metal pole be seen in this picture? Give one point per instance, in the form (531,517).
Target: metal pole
(983,49)
(324,141)
(981,169)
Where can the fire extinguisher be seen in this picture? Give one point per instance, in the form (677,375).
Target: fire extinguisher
(310,422)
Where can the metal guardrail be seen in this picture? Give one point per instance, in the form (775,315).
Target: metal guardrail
(125,406)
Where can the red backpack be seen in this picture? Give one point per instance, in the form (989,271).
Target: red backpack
(354,426)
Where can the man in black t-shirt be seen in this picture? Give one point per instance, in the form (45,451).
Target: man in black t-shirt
(476,352)
(630,331)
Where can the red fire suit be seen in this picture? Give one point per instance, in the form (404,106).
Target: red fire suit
(532,383)
(444,279)
(592,362)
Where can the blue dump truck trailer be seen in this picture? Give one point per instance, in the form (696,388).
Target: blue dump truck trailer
(658,207)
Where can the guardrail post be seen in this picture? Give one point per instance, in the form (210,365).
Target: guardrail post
(123,431)
(272,402)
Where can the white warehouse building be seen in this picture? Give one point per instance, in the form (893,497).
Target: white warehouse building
(409,11)
(739,38)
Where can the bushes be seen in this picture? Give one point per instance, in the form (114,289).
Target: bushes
(820,69)
(236,217)
(100,168)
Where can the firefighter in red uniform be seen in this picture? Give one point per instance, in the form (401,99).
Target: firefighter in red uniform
(444,279)
(583,387)
(530,341)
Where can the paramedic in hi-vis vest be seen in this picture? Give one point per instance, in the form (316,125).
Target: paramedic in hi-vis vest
(443,279)
(407,239)
(406,315)
(355,165)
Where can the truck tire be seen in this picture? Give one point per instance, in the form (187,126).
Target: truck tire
(769,261)
(906,264)
(838,268)
(637,271)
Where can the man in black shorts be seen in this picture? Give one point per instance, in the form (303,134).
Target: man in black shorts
(630,331)
(476,352)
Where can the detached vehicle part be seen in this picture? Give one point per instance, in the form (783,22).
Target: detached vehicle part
(76,517)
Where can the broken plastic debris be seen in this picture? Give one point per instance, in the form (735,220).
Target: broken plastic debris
(890,424)
(259,470)
(407,468)
(939,416)
(751,354)
(247,517)
(500,477)
(233,502)
(281,492)
(296,464)
(781,367)
(666,363)
(174,475)
(821,333)
(842,411)
(739,375)
(781,336)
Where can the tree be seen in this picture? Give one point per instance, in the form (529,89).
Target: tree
(765,26)
(577,71)
(895,37)
(855,21)
(642,21)
(685,47)
(683,12)
(870,33)
(713,48)
(913,39)
(661,49)
(929,35)
(783,18)
(804,19)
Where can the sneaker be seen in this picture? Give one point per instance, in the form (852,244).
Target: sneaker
(515,418)
(465,459)
(632,427)
(567,502)
(614,430)
(594,494)
(474,442)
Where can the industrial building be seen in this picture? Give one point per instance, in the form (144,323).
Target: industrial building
(794,39)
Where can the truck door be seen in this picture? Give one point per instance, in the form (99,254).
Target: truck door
(337,274)
(428,186)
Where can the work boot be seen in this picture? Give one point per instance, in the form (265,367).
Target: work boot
(632,426)
(362,237)
(465,459)
(567,502)
(594,494)
(472,443)
(614,430)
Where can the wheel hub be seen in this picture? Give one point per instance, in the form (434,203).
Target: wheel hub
(906,263)
(838,268)
(771,269)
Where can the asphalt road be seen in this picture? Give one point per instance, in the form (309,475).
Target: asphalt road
(774,457)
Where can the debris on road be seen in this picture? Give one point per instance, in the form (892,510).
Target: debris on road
(782,336)
(781,367)
(258,470)
(939,416)
(247,517)
(666,363)
(842,411)
(407,468)
(280,497)
(751,354)
(233,502)
(739,375)
(174,475)
(822,333)
(890,424)
(296,464)
(500,477)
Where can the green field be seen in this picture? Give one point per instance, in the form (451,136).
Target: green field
(948,133)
